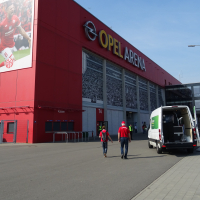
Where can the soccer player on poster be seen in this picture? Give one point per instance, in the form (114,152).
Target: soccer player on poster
(7,30)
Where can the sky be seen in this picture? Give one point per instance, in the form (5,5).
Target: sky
(160,29)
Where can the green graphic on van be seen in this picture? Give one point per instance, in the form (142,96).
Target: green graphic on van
(154,122)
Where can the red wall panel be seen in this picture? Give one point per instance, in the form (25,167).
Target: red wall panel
(62,16)
(75,90)
(25,82)
(62,51)
(99,114)
(75,58)
(47,11)
(8,86)
(46,45)
(44,82)
(74,20)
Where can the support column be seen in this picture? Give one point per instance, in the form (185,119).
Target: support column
(124,95)
(149,101)
(138,106)
(193,101)
(104,91)
(157,100)
(163,96)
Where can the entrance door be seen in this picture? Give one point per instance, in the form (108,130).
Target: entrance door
(8,131)
(100,124)
(131,118)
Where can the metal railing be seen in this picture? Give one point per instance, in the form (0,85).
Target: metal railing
(75,136)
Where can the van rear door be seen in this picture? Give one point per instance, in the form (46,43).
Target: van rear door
(196,124)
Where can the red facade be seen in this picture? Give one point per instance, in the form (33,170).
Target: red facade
(54,82)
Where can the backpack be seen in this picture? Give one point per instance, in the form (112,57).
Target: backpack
(103,136)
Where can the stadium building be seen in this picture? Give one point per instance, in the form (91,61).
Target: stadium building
(77,74)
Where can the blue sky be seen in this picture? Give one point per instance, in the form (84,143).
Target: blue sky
(161,29)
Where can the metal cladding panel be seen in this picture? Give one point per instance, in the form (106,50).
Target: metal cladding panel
(115,118)
(144,118)
(89,119)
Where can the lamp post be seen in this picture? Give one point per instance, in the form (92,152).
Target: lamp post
(193,45)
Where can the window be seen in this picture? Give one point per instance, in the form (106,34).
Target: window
(56,126)
(48,126)
(63,126)
(10,127)
(197,104)
(59,126)
(196,91)
(70,126)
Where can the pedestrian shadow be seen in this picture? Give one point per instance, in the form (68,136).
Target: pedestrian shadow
(136,156)
(120,156)
(129,157)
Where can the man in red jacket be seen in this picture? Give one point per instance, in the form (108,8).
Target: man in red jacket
(124,137)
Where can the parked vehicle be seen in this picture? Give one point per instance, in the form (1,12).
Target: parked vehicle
(172,127)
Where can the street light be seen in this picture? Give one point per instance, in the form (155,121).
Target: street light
(193,45)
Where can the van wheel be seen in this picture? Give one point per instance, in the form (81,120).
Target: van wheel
(158,149)
(150,146)
(190,150)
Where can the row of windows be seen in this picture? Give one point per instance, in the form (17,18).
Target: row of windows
(49,126)
(59,126)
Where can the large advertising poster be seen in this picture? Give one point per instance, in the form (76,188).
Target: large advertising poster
(16,31)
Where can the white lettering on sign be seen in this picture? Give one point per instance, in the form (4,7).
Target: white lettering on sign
(100,110)
(61,111)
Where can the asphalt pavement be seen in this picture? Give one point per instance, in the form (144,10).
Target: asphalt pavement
(79,170)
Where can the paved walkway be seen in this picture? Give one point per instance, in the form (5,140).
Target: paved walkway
(182,181)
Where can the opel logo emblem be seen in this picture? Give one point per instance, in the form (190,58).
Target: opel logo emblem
(90,30)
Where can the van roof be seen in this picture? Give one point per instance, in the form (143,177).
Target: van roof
(175,106)
(170,107)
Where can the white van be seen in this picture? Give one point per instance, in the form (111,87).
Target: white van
(172,127)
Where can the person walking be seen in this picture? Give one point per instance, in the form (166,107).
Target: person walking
(135,128)
(131,131)
(144,127)
(104,135)
(123,138)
